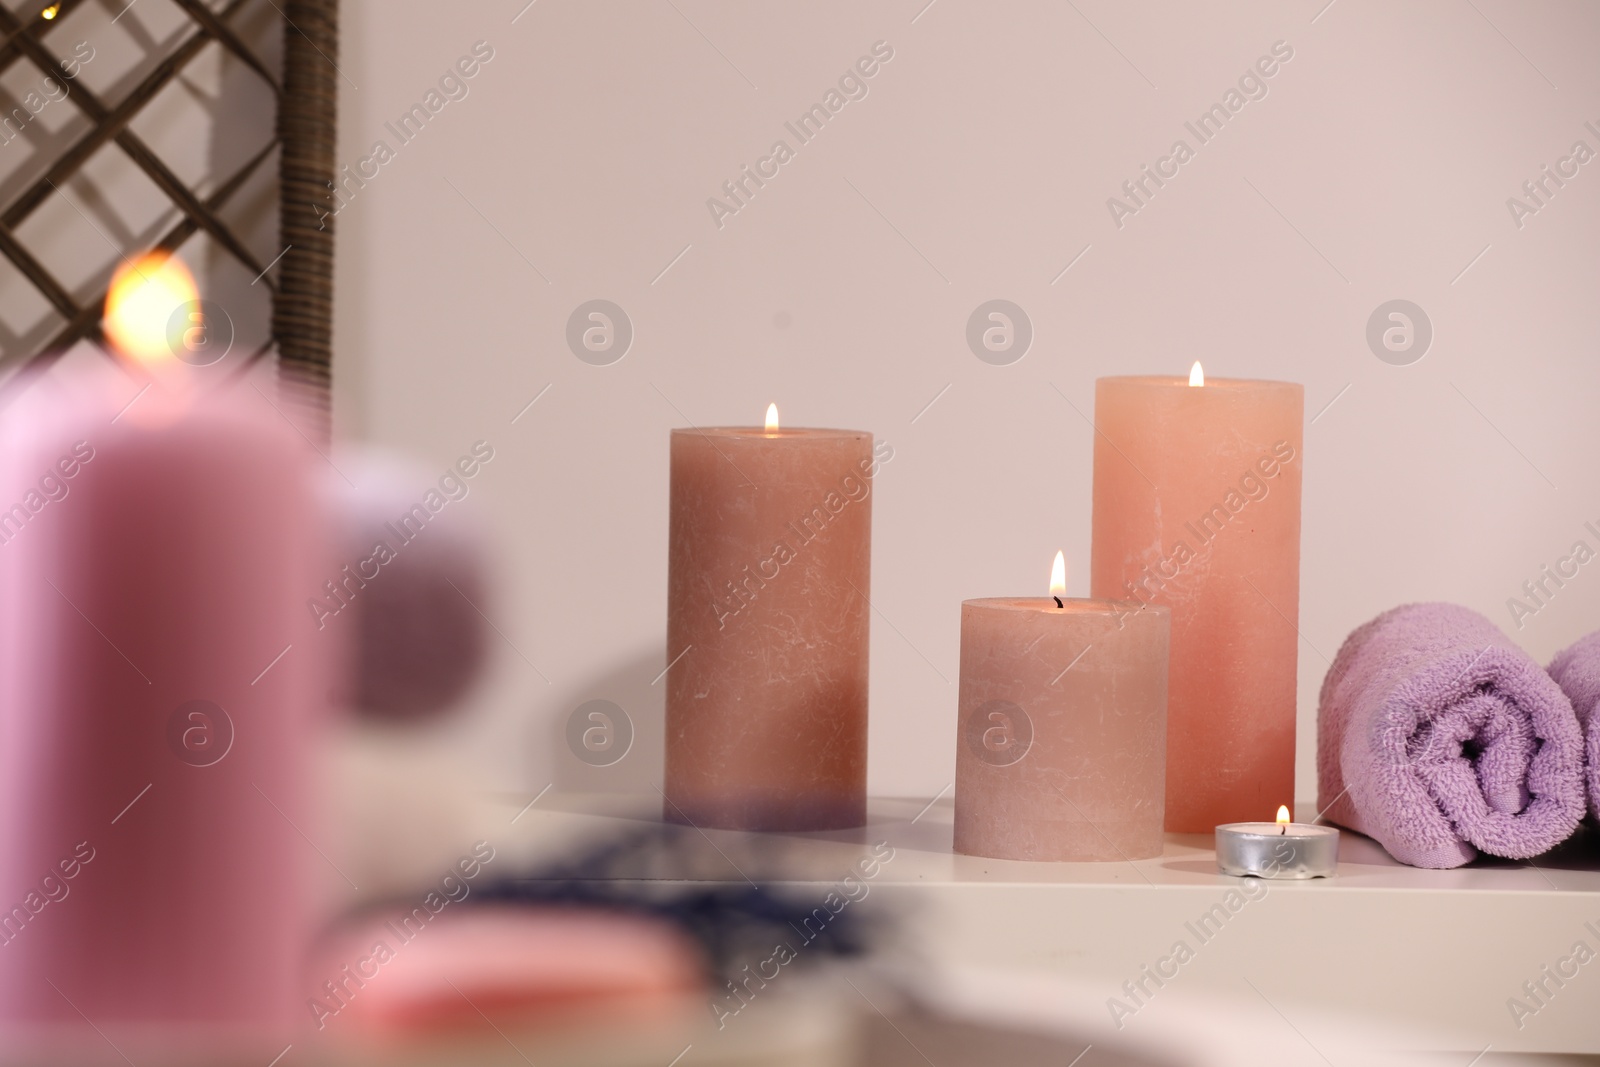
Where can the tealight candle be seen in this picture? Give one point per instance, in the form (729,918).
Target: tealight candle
(1281,849)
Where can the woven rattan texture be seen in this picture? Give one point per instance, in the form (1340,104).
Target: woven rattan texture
(300,282)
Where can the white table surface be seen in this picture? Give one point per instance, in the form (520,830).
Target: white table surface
(1437,953)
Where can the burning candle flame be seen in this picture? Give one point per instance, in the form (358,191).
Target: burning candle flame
(1283,815)
(50,12)
(1197,376)
(772,418)
(140,303)
(1058,576)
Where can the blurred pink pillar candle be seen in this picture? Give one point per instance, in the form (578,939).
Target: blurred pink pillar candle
(1197,506)
(768,572)
(1062,729)
(154,720)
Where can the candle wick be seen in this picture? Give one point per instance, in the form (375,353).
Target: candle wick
(1285,830)
(1057,599)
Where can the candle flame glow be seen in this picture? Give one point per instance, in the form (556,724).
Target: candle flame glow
(50,12)
(140,303)
(1283,815)
(1058,575)
(772,418)
(1197,376)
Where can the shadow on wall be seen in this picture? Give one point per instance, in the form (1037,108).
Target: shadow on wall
(611,736)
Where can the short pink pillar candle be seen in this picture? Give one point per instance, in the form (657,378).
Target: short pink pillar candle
(767,617)
(1062,729)
(1197,507)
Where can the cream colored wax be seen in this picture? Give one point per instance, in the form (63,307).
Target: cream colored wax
(1197,507)
(767,583)
(1061,728)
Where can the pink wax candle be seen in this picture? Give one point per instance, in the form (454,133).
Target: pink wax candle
(1197,507)
(1062,728)
(767,616)
(159,681)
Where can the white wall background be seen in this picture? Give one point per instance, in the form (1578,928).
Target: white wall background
(979,165)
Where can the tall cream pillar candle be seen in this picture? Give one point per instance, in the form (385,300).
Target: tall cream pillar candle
(1197,507)
(1062,729)
(767,617)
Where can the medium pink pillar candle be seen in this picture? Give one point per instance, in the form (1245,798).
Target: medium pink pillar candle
(767,616)
(1062,729)
(1197,507)
(154,719)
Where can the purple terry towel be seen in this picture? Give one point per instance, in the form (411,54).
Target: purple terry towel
(1577,671)
(1438,736)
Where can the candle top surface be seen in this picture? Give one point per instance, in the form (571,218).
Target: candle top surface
(1272,829)
(1170,381)
(1072,605)
(756,432)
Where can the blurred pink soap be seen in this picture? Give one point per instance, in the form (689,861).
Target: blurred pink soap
(517,965)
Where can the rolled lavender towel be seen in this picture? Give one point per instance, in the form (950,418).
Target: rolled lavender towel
(1437,736)
(1577,671)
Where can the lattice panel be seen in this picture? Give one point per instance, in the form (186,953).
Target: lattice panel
(127,127)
